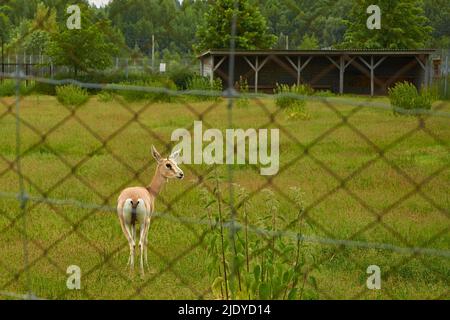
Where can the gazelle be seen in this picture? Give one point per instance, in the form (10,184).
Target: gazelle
(135,205)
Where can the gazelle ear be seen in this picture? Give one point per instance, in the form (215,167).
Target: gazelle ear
(156,154)
(175,155)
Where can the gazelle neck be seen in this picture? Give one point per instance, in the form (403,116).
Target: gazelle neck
(157,183)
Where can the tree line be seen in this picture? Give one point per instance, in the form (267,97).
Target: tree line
(189,27)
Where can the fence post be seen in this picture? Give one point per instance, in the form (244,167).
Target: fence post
(27,66)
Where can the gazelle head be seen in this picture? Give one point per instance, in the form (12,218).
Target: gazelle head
(168,167)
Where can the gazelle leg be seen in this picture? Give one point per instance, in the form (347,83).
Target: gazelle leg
(141,246)
(147,227)
(132,246)
(127,234)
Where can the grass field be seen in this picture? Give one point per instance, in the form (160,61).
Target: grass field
(62,234)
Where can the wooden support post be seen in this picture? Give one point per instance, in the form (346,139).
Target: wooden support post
(372,69)
(256,74)
(372,66)
(425,71)
(215,67)
(299,66)
(341,74)
(212,71)
(256,68)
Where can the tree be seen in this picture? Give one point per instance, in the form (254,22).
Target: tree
(438,12)
(90,48)
(309,43)
(403,26)
(251,27)
(40,29)
(5,26)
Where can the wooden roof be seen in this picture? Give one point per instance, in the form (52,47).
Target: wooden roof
(328,52)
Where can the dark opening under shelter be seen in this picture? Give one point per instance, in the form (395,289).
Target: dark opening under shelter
(369,72)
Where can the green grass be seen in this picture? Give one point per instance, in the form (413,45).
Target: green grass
(97,245)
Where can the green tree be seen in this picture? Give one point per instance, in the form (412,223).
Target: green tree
(251,28)
(38,36)
(403,26)
(90,48)
(309,43)
(5,24)
(5,27)
(438,12)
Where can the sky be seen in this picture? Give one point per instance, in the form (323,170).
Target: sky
(99,3)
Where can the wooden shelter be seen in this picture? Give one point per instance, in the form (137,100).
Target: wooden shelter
(340,71)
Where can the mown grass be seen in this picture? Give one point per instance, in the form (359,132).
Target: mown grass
(59,235)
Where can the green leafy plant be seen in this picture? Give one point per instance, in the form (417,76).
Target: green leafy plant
(8,88)
(248,264)
(291,99)
(199,83)
(242,86)
(180,76)
(405,97)
(105,96)
(143,94)
(71,95)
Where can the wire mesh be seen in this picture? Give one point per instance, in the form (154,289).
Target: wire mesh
(357,186)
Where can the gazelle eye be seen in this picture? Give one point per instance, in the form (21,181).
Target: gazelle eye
(168,166)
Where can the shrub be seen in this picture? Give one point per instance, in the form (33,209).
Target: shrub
(44,88)
(404,96)
(204,84)
(71,95)
(294,106)
(181,76)
(242,86)
(8,88)
(285,95)
(105,96)
(136,95)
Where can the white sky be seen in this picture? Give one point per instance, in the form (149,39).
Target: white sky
(99,3)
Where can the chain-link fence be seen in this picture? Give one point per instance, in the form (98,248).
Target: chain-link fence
(360,194)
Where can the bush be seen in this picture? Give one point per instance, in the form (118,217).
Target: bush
(204,84)
(294,106)
(105,96)
(284,100)
(136,95)
(404,96)
(71,95)
(181,76)
(242,86)
(44,88)
(8,88)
